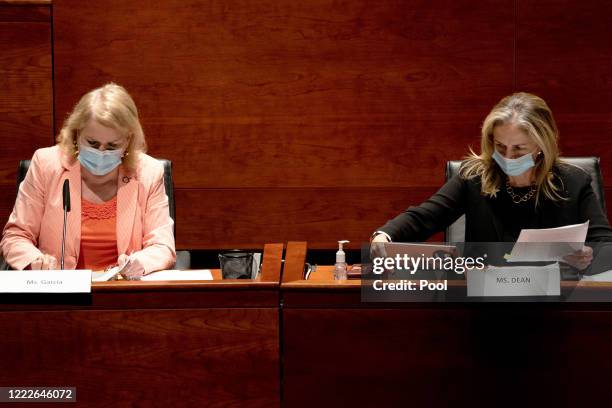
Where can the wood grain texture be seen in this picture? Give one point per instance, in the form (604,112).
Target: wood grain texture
(566,58)
(26,2)
(285,95)
(272,263)
(295,258)
(435,357)
(245,218)
(189,357)
(12,12)
(7,201)
(368,153)
(26,98)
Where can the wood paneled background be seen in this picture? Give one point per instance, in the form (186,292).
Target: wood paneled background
(26,91)
(315,120)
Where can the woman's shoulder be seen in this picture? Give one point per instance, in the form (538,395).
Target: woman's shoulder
(48,159)
(50,154)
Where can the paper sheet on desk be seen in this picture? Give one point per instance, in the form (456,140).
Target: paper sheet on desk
(103,276)
(600,277)
(548,244)
(173,275)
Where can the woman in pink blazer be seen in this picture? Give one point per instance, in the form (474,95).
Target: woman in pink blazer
(119,207)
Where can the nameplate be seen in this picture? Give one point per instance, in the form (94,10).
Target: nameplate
(515,281)
(57,281)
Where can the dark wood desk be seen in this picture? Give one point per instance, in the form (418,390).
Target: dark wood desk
(340,352)
(205,343)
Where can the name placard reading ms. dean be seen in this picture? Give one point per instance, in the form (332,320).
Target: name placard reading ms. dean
(515,281)
(78,281)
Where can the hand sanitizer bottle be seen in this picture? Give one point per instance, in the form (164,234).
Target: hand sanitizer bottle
(340,266)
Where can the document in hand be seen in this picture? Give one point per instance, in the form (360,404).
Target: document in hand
(548,244)
(103,276)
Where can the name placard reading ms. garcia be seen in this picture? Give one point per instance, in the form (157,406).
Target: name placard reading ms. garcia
(78,281)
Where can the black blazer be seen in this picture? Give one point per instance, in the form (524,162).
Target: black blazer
(460,196)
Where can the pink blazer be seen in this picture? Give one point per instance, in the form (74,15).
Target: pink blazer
(144,226)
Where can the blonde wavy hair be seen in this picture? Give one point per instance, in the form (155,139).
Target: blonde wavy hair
(532,115)
(111,106)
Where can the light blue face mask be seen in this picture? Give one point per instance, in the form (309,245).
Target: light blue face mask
(97,162)
(514,167)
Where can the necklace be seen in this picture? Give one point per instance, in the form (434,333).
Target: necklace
(517,199)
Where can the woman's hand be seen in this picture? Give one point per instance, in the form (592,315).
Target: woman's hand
(130,267)
(44,262)
(377,246)
(580,259)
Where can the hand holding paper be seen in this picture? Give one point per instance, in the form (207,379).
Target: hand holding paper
(130,267)
(553,244)
(580,259)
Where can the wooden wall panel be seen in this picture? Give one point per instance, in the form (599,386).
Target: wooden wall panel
(564,54)
(26,100)
(245,218)
(161,357)
(440,356)
(252,100)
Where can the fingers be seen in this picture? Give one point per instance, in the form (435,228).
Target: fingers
(37,263)
(377,246)
(578,260)
(44,262)
(122,260)
(377,250)
(51,262)
(133,269)
(584,256)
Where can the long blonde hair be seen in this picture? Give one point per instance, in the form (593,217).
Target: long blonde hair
(532,115)
(111,106)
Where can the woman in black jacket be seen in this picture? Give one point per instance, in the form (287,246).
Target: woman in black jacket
(516,182)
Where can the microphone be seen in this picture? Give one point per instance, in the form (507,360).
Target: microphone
(66,197)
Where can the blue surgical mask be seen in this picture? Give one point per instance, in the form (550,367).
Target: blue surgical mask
(97,162)
(514,167)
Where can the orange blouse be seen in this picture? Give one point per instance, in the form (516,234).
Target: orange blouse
(98,235)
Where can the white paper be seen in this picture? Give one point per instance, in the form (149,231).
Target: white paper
(548,244)
(256,263)
(49,281)
(515,281)
(173,275)
(600,277)
(104,275)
